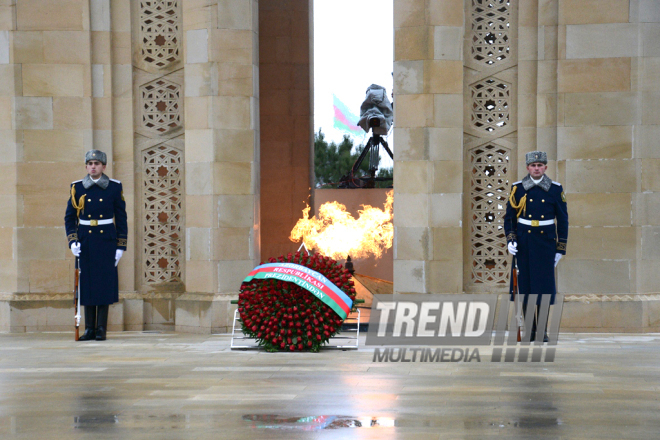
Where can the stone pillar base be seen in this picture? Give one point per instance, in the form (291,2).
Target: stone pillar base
(208,313)
(204,313)
(623,313)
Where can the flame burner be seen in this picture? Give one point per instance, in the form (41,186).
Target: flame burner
(336,233)
(349,266)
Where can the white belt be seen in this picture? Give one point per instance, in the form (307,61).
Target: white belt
(96,222)
(536,222)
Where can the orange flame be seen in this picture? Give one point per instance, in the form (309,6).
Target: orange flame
(337,234)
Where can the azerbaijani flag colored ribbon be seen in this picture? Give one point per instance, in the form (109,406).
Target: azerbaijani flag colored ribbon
(344,119)
(312,281)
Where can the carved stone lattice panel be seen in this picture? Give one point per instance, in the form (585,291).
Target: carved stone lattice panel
(160,33)
(160,107)
(489,190)
(162,195)
(491,43)
(490,105)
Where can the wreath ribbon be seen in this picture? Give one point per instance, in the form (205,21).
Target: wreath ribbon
(312,281)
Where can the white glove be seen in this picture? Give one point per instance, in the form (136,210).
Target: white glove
(75,249)
(118,254)
(557,258)
(513,247)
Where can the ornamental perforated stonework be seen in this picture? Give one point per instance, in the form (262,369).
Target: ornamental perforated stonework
(490,109)
(160,106)
(490,137)
(160,32)
(162,195)
(159,139)
(489,190)
(491,21)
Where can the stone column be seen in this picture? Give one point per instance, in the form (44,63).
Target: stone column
(112,98)
(597,116)
(222,159)
(646,151)
(13,277)
(285,85)
(428,132)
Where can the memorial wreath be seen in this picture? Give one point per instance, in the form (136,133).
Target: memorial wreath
(295,302)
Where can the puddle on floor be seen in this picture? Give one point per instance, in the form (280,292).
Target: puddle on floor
(316,423)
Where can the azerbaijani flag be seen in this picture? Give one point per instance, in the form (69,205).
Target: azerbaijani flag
(344,119)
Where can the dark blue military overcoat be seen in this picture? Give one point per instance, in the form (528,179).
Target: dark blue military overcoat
(537,219)
(99,201)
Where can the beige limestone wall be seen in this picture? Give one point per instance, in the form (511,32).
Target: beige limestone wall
(646,136)
(42,148)
(12,275)
(222,158)
(587,95)
(285,90)
(606,110)
(113,119)
(64,93)
(428,138)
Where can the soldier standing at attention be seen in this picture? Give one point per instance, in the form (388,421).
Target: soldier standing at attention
(97,233)
(536,227)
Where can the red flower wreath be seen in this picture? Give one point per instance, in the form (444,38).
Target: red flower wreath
(283,316)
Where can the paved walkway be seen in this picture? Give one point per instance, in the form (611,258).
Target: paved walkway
(175,386)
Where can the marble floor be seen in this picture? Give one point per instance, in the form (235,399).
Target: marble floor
(177,386)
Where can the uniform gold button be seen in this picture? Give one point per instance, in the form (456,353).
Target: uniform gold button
(530,216)
(541,216)
(100,200)
(89,216)
(89,200)
(530,231)
(541,232)
(531,200)
(100,216)
(90,231)
(101,231)
(543,201)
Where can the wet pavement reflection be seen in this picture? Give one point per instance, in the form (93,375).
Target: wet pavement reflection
(171,386)
(94,422)
(317,423)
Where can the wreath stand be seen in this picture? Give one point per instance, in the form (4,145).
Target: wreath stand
(350,341)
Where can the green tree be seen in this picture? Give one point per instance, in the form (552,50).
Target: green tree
(332,161)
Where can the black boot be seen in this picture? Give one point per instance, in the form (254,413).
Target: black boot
(102,322)
(545,331)
(532,335)
(90,324)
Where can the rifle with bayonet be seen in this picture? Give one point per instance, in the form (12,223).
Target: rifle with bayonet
(76,300)
(516,297)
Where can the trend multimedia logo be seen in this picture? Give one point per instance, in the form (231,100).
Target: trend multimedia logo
(456,326)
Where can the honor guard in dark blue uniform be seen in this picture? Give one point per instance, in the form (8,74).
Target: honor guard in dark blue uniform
(97,233)
(536,227)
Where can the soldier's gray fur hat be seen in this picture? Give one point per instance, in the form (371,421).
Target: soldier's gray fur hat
(96,155)
(536,156)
